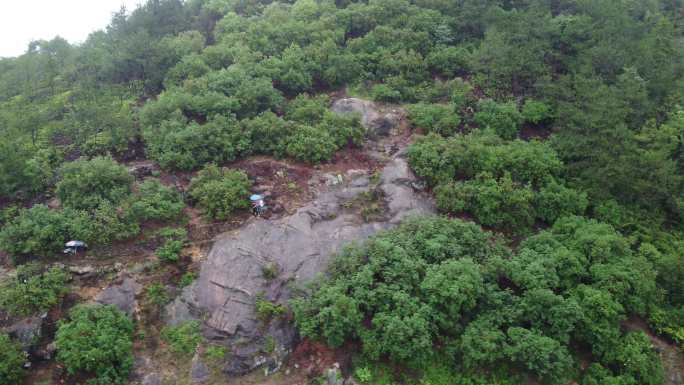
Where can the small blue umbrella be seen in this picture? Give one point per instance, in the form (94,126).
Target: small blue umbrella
(256,197)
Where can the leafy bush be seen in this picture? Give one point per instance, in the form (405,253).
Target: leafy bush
(174,241)
(220,192)
(267,310)
(306,109)
(311,144)
(441,160)
(344,130)
(41,231)
(187,279)
(154,201)
(435,286)
(500,203)
(110,223)
(12,361)
(395,281)
(385,93)
(535,111)
(184,338)
(33,289)
(461,94)
(85,184)
(216,353)
(177,144)
(448,60)
(555,200)
(96,340)
(502,118)
(157,295)
(435,118)
(268,134)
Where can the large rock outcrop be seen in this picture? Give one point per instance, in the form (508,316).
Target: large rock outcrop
(240,266)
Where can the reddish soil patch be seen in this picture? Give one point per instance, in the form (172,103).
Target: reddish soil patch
(351,158)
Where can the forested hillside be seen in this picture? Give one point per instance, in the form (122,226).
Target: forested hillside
(549,132)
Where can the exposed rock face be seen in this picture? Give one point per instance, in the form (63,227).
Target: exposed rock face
(27,331)
(301,246)
(122,295)
(376,122)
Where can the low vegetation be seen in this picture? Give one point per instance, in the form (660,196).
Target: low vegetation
(12,360)
(220,192)
(184,338)
(33,290)
(96,340)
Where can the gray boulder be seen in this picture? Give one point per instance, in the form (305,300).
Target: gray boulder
(121,294)
(199,372)
(377,122)
(27,331)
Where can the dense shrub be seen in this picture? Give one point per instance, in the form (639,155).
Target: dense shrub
(110,223)
(184,338)
(555,200)
(385,93)
(503,184)
(535,111)
(220,192)
(96,340)
(33,290)
(41,231)
(448,60)
(440,160)
(268,134)
(502,118)
(636,358)
(173,242)
(435,286)
(311,144)
(12,361)
(407,311)
(154,201)
(182,145)
(494,202)
(85,184)
(440,119)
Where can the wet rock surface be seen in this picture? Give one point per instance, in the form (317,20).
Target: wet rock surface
(27,331)
(300,246)
(377,122)
(121,294)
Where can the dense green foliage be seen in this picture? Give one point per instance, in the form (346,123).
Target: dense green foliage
(33,290)
(219,192)
(97,340)
(506,185)
(183,338)
(446,283)
(41,231)
(11,361)
(86,184)
(156,202)
(173,241)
